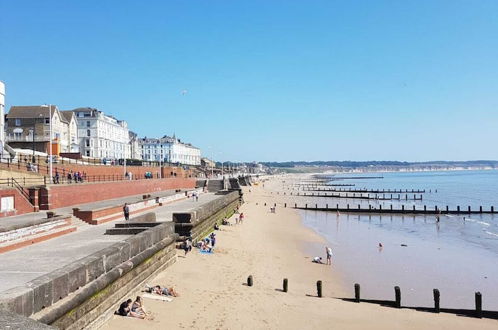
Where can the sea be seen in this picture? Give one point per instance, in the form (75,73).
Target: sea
(457,254)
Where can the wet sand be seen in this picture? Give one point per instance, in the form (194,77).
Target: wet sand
(270,247)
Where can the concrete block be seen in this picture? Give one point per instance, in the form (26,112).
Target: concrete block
(60,284)
(42,292)
(134,242)
(18,300)
(77,276)
(13,321)
(94,266)
(112,257)
(124,250)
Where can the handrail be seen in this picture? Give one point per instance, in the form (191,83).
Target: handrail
(16,185)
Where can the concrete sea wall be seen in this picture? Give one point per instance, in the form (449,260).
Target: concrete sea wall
(84,293)
(198,223)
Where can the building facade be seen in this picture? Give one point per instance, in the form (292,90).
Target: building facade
(101,135)
(28,127)
(169,150)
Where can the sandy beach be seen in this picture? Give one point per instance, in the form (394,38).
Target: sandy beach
(270,247)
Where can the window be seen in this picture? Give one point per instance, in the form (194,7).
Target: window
(47,120)
(88,153)
(88,132)
(87,124)
(18,122)
(87,142)
(17,135)
(7,203)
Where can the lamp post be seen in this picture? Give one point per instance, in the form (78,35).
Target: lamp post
(50,139)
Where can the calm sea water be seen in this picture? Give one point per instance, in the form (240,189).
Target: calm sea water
(457,256)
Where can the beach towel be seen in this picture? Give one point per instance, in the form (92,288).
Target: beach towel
(157,297)
(206,252)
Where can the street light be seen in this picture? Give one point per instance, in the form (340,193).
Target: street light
(50,138)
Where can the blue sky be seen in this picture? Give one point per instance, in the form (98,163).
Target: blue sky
(269,80)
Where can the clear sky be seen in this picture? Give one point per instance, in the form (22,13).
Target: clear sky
(269,80)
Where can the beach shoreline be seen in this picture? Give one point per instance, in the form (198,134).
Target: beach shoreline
(270,247)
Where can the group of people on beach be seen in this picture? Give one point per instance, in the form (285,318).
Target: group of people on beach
(132,308)
(328,252)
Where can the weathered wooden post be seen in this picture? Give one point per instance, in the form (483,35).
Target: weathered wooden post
(250,280)
(436,300)
(357,292)
(397,296)
(478,305)
(285,285)
(319,289)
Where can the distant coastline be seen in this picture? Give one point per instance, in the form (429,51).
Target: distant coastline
(380,166)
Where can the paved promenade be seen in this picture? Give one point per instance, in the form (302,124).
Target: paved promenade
(20,266)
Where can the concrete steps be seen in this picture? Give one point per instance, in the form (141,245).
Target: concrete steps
(21,237)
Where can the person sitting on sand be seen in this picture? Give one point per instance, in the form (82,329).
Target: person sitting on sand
(317,260)
(124,308)
(137,309)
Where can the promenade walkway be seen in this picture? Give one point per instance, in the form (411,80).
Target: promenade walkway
(20,266)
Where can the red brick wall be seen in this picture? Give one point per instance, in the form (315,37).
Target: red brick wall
(137,171)
(21,205)
(66,195)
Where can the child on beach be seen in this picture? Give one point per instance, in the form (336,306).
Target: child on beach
(328,251)
(317,260)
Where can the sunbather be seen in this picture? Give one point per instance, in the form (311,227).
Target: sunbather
(137,309)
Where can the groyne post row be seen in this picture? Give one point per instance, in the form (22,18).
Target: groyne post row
(403,210)
(361,196)
(371,191)
(478,312)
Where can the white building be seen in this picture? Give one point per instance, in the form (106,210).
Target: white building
(102,136)
(2,116)
(135,151)
(169,150)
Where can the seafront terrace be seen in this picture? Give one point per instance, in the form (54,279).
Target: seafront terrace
(25,264)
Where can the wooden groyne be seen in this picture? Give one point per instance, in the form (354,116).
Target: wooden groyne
(401,210)
(369,191)
(364,196)
(354,177)
(324,184)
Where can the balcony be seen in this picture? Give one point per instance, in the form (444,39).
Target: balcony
(26,138)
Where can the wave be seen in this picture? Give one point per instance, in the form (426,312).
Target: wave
(491,233)
(477,221)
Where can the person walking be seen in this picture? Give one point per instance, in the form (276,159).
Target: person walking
(328,251)
(126,211)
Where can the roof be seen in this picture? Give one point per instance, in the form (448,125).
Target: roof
(67,115)
(29,111)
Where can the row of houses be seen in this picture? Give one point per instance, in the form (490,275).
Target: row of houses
(88,132)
